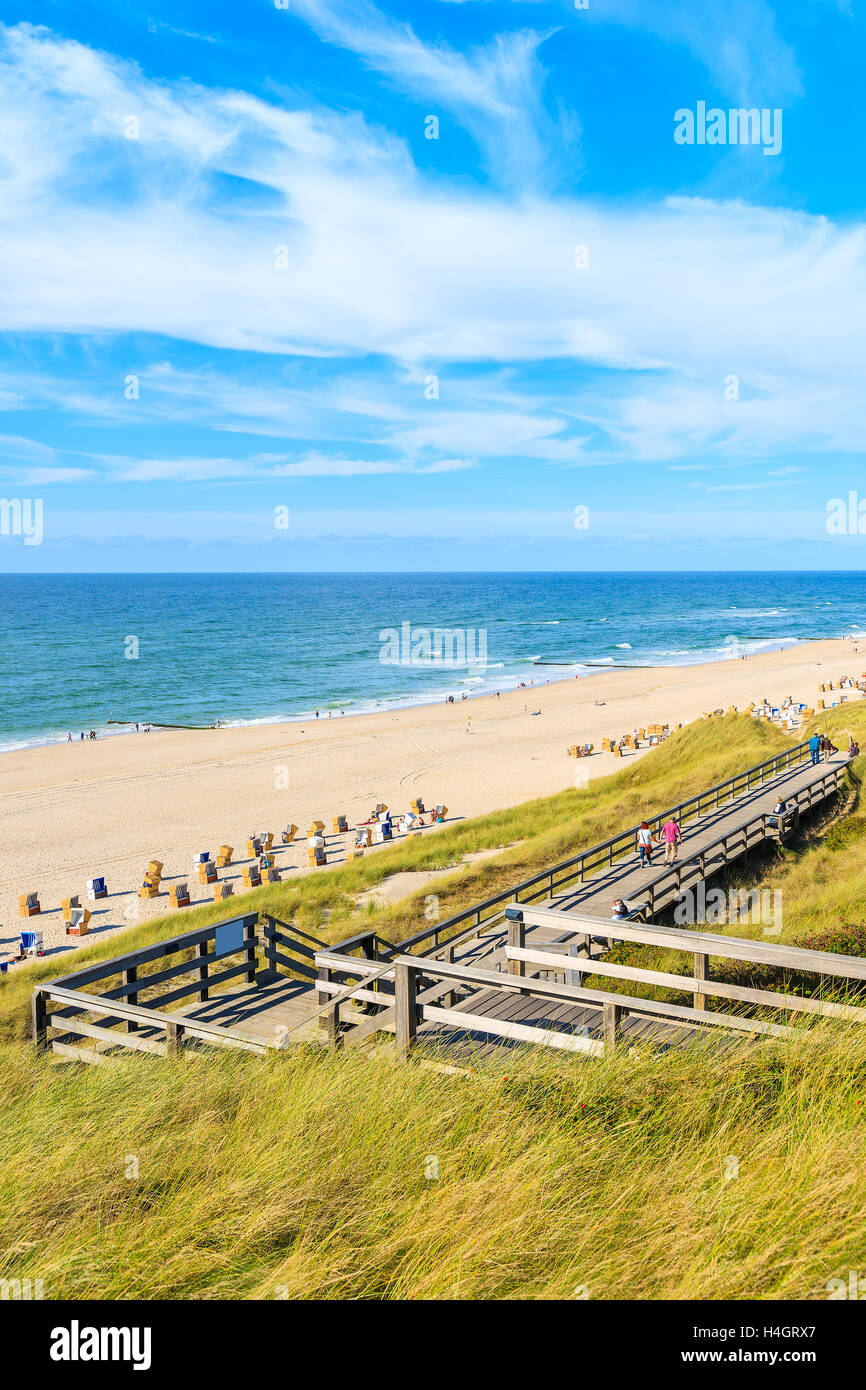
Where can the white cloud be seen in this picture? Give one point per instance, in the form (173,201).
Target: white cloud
(494,91)
(261,467)
(103,235)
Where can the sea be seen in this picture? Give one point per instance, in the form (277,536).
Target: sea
(82,652)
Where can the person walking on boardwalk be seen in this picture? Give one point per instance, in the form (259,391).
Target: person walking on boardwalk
(645,844)
(815,747)
(672,837)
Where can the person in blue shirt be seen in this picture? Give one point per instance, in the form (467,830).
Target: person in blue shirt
(815,747)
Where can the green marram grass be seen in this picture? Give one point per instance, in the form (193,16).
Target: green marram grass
(726,1173)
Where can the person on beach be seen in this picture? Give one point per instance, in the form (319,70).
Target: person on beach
(672,837)
(645,844)
(69,736)
(815,748)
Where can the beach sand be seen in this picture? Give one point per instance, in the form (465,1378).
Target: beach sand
(72,811)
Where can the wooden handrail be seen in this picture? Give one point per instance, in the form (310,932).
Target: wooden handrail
(605,848)
(151,1018)
(704,943)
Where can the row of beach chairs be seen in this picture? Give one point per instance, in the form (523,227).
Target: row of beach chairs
(262,869)
(629,742)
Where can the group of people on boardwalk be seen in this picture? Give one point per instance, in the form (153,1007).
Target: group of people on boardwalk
(670,837)
(820,747)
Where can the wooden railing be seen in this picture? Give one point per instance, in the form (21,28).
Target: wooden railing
(546,883)
(67,1011)
(410,990)
(134,996)
(466,924)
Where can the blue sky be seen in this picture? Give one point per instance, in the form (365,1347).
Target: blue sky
(238,278)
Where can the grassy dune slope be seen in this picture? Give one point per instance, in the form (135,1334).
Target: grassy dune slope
(709,1174)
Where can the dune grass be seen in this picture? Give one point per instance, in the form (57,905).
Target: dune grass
(708,1173)
(695,1175)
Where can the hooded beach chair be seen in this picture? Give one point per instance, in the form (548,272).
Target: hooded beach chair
(77,924)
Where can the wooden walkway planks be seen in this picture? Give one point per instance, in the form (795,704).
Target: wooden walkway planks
(262,1010)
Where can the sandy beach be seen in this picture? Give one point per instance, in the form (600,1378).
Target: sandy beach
(71,811)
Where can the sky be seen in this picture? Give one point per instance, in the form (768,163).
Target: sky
(319,285)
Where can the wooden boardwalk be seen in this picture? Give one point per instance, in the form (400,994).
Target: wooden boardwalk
(719,838)
(454,1001)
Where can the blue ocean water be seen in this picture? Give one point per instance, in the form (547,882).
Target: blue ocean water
(261,648)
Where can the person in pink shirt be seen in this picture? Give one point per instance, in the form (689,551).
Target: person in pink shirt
(672,837)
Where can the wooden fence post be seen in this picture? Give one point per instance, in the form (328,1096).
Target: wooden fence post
(39,1016)
(203,993)
(701,973)
(450,1000)
(173,1038)
(331,1020)
(250,936)
(269,931)
(611,1015)
(516,937)
(130,977)
(406,1007)
(572,977)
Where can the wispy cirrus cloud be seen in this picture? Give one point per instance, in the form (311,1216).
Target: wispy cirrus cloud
(494,90)
(262,467)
